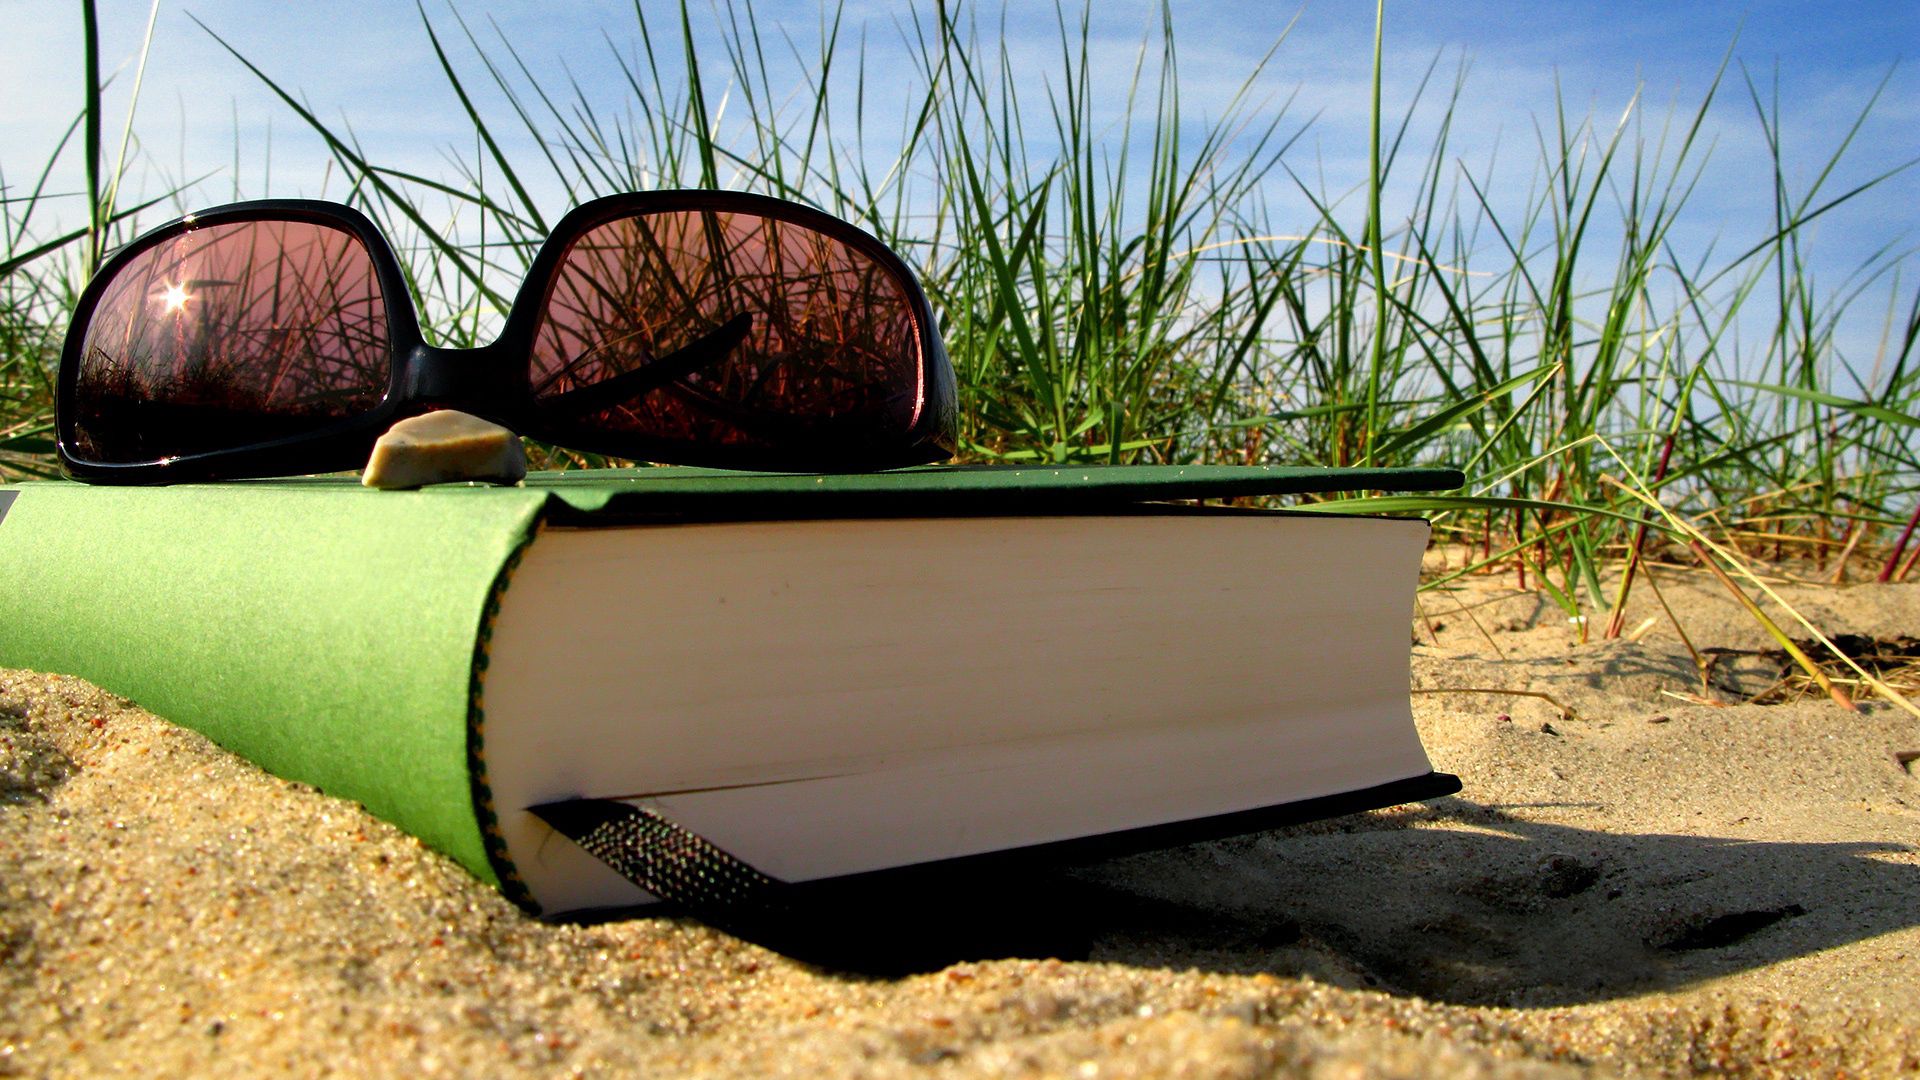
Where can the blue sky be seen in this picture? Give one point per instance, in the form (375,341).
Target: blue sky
(370,64)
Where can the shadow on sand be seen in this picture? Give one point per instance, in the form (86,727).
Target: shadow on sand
(1502,911)
(1491,910)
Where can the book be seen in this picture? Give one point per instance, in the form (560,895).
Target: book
(816,676)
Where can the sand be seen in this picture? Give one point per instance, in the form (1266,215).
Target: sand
(1649,885)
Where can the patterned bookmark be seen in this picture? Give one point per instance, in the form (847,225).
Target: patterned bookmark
(890,922)
(671,862)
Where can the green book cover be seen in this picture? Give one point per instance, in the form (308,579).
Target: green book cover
(330,633)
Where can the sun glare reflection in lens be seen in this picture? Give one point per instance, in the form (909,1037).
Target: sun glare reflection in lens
(174,299)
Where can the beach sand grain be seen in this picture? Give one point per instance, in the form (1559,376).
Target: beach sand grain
(1646,886)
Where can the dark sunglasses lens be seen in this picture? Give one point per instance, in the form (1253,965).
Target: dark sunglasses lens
(729,334)
(230,335)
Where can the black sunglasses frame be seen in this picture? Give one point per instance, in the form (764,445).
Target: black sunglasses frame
(494,381)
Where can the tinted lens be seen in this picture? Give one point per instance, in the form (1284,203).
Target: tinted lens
(729,334)
(230,335)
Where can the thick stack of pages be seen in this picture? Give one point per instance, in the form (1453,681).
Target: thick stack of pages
(820,675)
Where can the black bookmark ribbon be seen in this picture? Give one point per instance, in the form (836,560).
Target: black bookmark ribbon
(910,919)
(673,863)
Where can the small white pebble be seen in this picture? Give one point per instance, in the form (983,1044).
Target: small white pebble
(443,446)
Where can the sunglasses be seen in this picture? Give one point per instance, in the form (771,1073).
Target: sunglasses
(278,337)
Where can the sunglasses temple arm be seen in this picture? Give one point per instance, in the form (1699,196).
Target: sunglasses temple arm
(629,386)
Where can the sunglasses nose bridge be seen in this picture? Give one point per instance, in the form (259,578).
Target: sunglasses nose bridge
(485,381)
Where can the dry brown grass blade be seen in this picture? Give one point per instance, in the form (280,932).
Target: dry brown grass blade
(1566,711)
(1779,636)
(1695,536)
(1854,535)
(1699,662)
